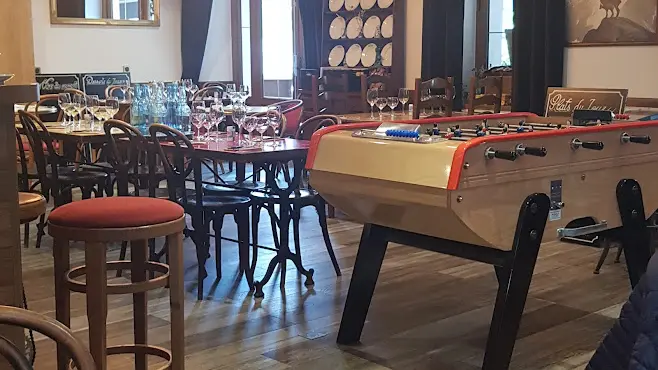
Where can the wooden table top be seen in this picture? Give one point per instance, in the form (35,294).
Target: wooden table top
(287,149)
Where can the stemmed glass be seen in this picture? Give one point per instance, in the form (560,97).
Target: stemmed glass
(111,107)
(250,124)
(244,92)
(262,125)
(381,104)
(274,119)
(216,117)
(239,116)
(425,95)
(393,103)
(80,105)
(198,116)
(187,84)
(124,89)
(64,101)
(193,91)
(403,97)
(230,91)
(93,104)
(371,97)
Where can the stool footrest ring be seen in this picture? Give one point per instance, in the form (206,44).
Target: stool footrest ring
(126,288)
(127,349)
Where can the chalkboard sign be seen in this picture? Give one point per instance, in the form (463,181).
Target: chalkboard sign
(562,101)
(57,83)
(96,83)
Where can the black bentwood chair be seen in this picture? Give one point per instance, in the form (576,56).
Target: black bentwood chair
(299,199)
(55,176)
(180,161)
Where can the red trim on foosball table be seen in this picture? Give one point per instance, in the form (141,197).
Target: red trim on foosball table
(460,153)
(315,139)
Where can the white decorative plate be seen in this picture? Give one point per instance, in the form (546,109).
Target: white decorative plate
(337,28)
(387,27)
(367,4)
(384,3)
(351,4)
(336,55)
(371,27)
(353,55)
(335,5)
(387,55)
(354,27)
(369,55)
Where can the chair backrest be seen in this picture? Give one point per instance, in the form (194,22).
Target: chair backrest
(308,91)
(440,93)
(75,92)
(489,83)
(311,125)
(111,90)
(41,145)
(213,84)
(50,100)
(177,162)
(124,155)
(51,328)
(292,110)
(209,91)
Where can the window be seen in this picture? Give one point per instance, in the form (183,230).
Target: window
(501,24)
(125,9)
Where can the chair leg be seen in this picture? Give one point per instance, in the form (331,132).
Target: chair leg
(331,211)
(242,220)
(215,164)
(296,215)
(41,226)
(26,237)
(200,236)
(122,256)
(177,301)
(218,222)
(95,260)
(138,257)
(274,223)
(62,295)
(320,207)
(604,254)
(255,218)
(620,249)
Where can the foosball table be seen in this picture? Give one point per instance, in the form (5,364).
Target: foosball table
(488,188)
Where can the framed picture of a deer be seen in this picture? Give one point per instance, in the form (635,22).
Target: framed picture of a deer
(612,22)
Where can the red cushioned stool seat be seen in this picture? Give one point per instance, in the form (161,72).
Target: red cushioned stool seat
(116,212)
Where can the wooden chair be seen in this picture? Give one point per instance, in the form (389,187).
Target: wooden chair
(204,205)
(51,328)
(308,91)
(111,90)
(490,83)
(444,100)
(299,198)
(209,92)
(75,92)
(99,222)
(381,83)
(213,84)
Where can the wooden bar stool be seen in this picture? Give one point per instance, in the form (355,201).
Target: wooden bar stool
(103,220)
(30,207)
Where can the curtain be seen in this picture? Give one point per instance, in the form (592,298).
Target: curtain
(539,39)
(195,20)
(311,15)
(443,43)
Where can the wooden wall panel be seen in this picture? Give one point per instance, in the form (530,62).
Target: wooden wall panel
(16,42)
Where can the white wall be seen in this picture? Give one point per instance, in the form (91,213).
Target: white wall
(217,61)
(631,67)
(413,42)
(152,53)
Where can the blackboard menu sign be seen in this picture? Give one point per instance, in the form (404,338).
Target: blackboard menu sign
(57,83)
(562,101)
(96,83)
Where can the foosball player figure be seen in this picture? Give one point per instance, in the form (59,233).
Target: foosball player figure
(505,127)
(435,130)
(457,131)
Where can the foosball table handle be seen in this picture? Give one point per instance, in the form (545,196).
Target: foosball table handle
(508,155)
(637,139)
(534,151)
(592,145)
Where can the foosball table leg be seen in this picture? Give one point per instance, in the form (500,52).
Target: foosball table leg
(635,236)
(514,282)
(369,259)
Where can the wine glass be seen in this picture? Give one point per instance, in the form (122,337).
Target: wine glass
(93,102)
(79,105)
(425,95)
(198,116)
(274,119)
(239,115)
(124,89)
(64,102)
(381,104)
(187,84)
(371,97)
(111,107)
(250,124)
(230,91)
(216,117)
(262,125)
(393,103)
(403,97)
(244,92)
(193,91)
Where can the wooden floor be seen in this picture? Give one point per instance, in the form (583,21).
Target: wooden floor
(429,311)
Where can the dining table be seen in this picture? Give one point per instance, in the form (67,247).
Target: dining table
(269,155)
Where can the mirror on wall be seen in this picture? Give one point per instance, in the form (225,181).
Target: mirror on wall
(106,12)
